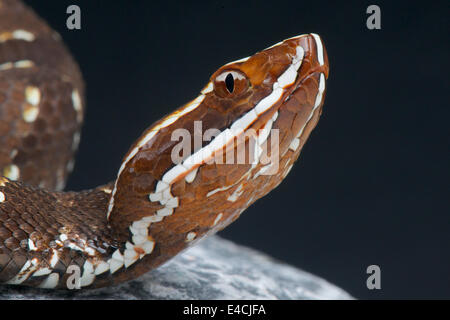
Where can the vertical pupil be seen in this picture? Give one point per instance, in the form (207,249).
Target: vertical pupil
(229,82)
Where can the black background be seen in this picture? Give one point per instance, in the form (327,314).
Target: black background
(372,183)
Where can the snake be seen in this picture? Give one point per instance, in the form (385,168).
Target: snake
(176,185)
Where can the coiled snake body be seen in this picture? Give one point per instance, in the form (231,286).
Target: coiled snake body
(157,206)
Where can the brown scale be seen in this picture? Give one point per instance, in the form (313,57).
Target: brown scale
(41,149)
(29,213)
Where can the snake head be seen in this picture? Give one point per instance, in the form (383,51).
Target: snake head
(275,97)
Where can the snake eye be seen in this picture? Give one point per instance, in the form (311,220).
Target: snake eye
(230,84)
(229,81)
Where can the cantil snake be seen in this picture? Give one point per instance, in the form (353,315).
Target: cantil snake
(156,207)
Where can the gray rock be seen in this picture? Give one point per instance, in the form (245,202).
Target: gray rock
(214,269)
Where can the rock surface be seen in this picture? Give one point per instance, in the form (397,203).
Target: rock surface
(214,269)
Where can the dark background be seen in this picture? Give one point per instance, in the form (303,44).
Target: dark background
(372,183)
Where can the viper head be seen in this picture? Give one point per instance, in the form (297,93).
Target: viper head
(279,88)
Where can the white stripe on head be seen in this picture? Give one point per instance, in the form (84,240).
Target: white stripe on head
(208,88)
(281,42)
(319,48)
(171,118)
(237,61)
